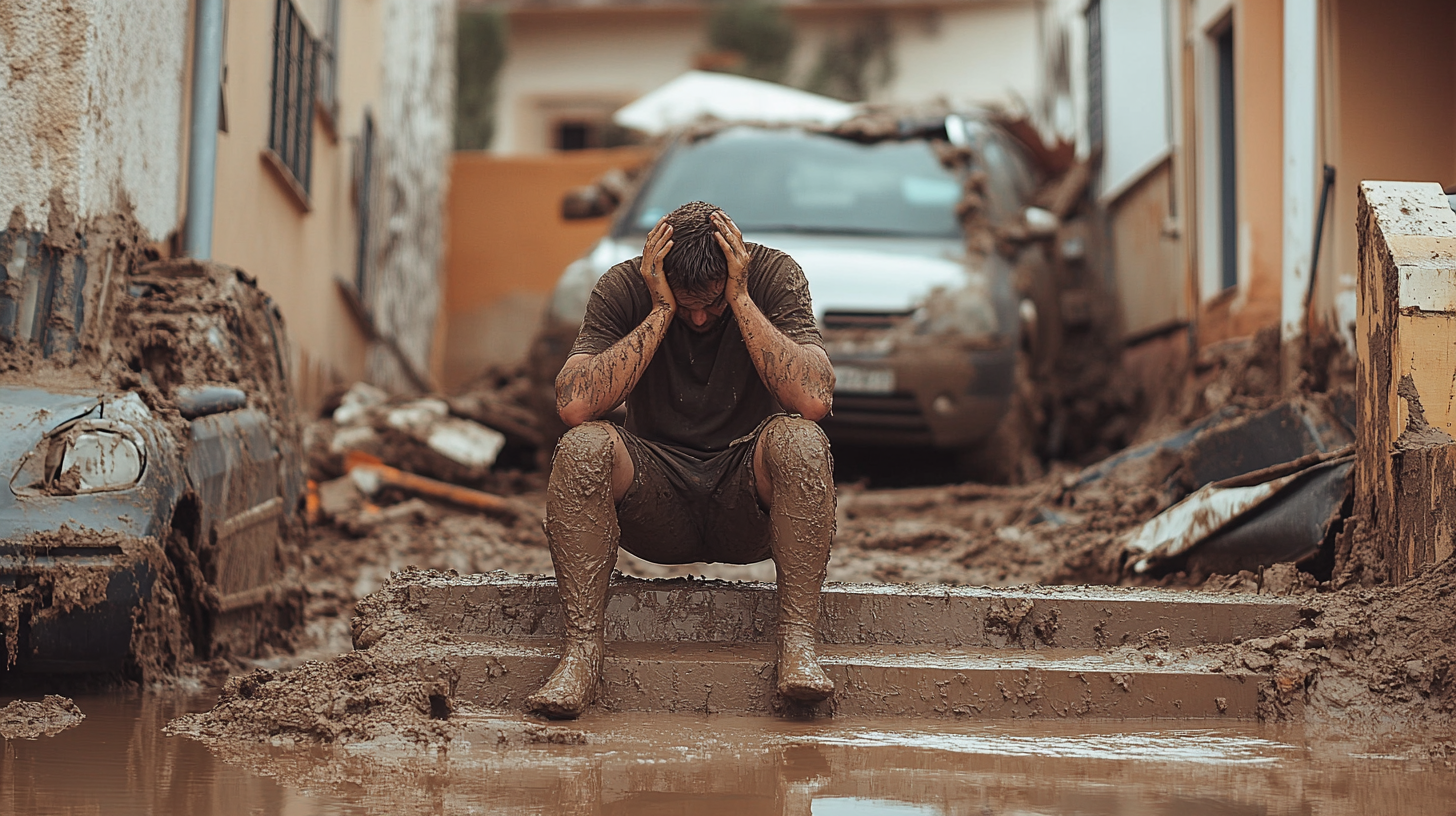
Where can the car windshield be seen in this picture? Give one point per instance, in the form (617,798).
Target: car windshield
(793,181)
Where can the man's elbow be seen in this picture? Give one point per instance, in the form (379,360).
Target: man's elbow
(815,409)
(574,414)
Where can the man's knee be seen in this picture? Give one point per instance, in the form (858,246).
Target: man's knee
(586,452)
(795,444)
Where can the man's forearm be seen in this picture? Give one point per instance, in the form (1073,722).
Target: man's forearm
(588,387)
(799,376)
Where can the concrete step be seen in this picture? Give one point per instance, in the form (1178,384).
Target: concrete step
(870,681)
(504,606)
(689,645)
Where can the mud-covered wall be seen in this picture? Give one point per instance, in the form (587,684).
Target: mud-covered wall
(1405,509)
(91,101)
(415,120)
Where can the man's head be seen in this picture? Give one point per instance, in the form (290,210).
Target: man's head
(696,264)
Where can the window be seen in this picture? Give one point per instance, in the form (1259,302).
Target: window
(295,75)
(328,50)
(363,203)
(1227,162)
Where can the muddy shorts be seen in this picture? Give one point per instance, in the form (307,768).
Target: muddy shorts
(681,509)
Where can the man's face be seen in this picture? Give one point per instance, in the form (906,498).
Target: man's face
(700,309)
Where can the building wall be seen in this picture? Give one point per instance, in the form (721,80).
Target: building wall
(415,119)
(1395,94)
(260,226)
(967,54)
(396,61)
(508,246)
(91,100)
(598,58)
(1150,273)
(1258,72)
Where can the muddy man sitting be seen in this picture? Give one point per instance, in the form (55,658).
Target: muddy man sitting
(713,345)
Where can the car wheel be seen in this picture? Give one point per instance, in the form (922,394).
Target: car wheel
(1008,454)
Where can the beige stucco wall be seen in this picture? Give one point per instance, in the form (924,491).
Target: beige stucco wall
(91,99)
(979,53)
(261,227)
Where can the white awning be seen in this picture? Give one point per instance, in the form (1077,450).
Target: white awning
(729,98)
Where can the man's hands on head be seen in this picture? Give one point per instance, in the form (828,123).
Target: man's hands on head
(735,289)
(800,377)
(659,243)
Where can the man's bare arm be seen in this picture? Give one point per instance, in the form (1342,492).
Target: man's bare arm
(799,376)
(590,385)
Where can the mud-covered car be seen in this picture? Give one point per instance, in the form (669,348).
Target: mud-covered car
(150,512)
(924,332)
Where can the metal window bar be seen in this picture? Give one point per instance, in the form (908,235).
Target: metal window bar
(1094,72)
(295,73)
(364,206)
(328,47)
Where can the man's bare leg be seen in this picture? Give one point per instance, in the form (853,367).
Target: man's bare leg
(794,475)
(589,472)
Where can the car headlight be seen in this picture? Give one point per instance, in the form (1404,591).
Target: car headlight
(89,456)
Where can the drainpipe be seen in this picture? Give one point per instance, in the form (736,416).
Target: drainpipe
(202,135)
(1301,179)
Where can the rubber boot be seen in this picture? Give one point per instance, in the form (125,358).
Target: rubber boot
(801,516)
(581,528)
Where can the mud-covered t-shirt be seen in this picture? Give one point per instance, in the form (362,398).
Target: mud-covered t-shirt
(701,390)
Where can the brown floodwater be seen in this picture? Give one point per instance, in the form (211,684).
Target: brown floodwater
(118,761)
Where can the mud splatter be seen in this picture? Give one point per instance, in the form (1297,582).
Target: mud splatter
(796,456)
(581,526)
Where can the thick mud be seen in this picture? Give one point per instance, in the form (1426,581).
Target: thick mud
(24,719)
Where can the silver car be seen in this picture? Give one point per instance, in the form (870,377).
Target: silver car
(924,335)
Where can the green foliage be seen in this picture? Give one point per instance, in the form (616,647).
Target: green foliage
(852,65)
(480,51)
(757,30)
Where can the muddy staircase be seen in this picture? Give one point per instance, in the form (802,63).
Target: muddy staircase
(707,646)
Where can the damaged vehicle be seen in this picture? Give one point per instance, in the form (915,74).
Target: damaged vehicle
(926,324)
(153,476)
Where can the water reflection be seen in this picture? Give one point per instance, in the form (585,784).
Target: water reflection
(119,762)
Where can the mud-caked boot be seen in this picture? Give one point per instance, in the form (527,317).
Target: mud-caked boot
(801,516)
(581,527)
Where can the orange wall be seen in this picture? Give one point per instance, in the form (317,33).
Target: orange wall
(1397,106)
(507,246)
(1259,44)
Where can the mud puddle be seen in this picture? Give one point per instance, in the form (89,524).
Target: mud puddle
(119,762)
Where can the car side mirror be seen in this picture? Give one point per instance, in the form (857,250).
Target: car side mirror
(587,201)
(597,199)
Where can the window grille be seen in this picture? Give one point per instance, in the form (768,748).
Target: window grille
(295,73)
(328,50)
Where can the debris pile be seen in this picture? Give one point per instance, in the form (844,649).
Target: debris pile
(374,456)
(23,719)
(1368,658)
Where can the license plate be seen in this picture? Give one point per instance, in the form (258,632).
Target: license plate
(856,380)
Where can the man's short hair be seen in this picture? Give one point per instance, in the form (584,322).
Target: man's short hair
(696,260)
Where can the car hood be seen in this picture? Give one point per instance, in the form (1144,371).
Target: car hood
(845,273)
